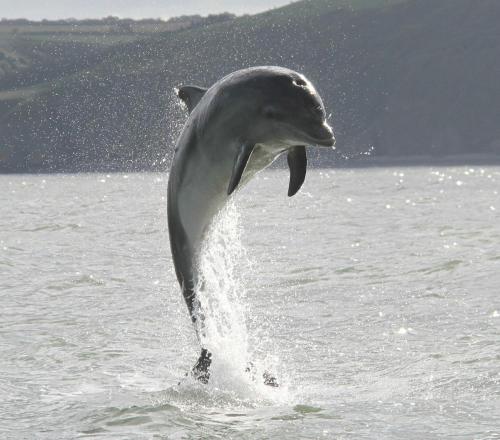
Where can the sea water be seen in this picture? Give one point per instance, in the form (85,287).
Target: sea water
(373,296)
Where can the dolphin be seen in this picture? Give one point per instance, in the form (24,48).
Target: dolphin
(235,129)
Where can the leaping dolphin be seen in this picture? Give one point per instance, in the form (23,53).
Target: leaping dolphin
(235,129)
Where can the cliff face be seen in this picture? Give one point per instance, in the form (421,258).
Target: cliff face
(401,78)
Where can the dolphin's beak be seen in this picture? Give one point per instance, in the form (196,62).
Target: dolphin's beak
(320,135)
(324,136)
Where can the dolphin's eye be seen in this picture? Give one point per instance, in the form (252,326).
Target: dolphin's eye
(299,82)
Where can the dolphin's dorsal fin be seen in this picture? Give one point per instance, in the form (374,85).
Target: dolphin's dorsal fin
(239,166)
(191,95)
(297,162)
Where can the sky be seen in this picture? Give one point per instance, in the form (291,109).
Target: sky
(56,9)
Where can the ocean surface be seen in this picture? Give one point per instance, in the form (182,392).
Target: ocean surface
(373,296)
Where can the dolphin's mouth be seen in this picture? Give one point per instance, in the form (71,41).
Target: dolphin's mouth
(326,142)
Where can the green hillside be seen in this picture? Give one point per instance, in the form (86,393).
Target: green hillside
(401,78)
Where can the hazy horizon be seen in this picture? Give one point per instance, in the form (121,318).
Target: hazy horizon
(80,9)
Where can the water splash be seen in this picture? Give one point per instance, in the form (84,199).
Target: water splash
(221,292)
(224,266)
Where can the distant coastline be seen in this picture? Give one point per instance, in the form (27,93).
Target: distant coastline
(472,160)
(424,160)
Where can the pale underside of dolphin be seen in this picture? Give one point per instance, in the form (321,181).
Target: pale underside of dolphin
(235,129)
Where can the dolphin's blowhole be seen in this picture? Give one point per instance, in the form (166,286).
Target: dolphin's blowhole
(299,82)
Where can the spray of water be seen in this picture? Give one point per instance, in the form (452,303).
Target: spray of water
(224,268)
(221,293)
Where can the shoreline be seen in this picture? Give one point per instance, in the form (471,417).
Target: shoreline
(365,162)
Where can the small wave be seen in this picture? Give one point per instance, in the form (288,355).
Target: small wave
(6,263)
(53,227)
(304,269)
(83,280)
(432,295)
(348,269)
(448,266)
(127,421)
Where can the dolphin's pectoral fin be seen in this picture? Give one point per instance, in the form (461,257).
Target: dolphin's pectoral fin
(191,95)
(239,166)
(200,370)
(297,162)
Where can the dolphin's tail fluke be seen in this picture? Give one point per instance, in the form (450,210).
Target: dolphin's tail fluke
(201,369)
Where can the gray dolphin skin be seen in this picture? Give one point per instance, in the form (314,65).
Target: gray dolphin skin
(235,129)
